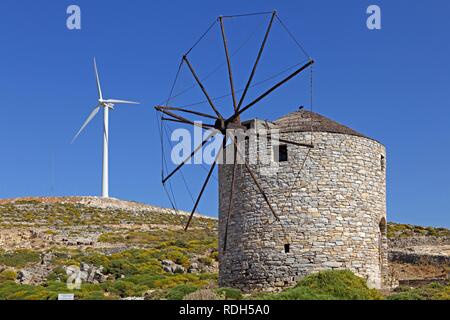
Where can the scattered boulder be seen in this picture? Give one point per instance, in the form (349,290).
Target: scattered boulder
(70,270)
(47,258)
(37,273)
(87,273)
(171,267)
(168,269)
(202,265)
(25,277)
(179,269)
(78,241)
(193,268)
(167,263)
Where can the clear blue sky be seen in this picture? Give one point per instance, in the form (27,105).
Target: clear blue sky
(392,85)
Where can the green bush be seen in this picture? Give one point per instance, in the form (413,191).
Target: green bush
(10,290)
(206,261)
(180,244)
(94,259)
(215,255)
(124,288)
(121,267)
(148,280)
(19,258)
(203,294)
(141,237)
(179,292)
(177,256)
(57,274)
(328,285)
(94,295)
(156,295)
(55,287)
(433,291)
(230,293)
(27,202)
(396,230)
(7,275)
(170,281)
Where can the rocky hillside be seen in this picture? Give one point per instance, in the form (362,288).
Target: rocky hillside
(82,222)
(116,249)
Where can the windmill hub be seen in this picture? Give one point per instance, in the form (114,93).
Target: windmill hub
(220,125)
(223,125)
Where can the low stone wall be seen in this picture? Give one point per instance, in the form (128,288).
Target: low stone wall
(423,282)
(416,258)
(418,241)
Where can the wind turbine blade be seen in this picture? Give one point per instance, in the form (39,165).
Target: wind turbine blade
(91,116)
(99,88)
(114,101)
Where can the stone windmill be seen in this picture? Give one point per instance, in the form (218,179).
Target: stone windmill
(314,198)
(331,207)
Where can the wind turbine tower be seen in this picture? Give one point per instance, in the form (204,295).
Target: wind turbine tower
(106,105)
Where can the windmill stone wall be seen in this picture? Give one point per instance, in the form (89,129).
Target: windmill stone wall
(331,203)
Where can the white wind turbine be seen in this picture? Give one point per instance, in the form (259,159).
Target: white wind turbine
(106,105)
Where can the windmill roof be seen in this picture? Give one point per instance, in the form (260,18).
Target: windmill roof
(307,121)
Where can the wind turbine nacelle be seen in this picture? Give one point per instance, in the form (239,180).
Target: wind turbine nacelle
(106,104)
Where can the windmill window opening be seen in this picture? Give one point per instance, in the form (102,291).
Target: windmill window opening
(287,248)
(247,145)
(383,163)
(383,227)
(257,144)
(282,153)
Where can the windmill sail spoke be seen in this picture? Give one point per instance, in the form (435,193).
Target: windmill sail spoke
(197,79)
(189,157)
(265,94)
(205,184)
(255,180)
(184,120)
(294,143)
(266,199)
(195,124)
(298,144)
(172,120)
(230,72)
(200,196)
(191,112)
(230,205)
(261,50)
